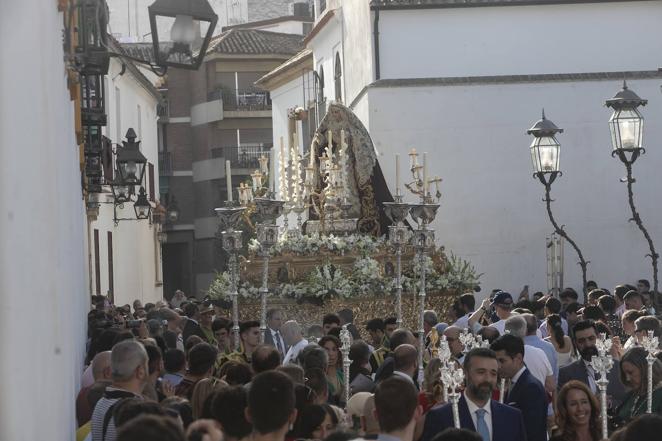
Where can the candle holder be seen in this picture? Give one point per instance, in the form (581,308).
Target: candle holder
(267,211)
(602,363)
(423,240)
(651,344)
(398,237)
(444,355)
(346,340)
(231,241)
(453,378)
(468,340)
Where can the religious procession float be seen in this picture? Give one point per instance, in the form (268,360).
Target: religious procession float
(344,241)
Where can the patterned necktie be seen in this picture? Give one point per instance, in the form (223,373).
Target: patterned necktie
(279,344)
(481,425)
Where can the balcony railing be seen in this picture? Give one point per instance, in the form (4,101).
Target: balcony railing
(247,99)
(243,156)
(165,163)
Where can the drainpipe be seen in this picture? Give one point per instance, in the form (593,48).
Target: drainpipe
(376,41)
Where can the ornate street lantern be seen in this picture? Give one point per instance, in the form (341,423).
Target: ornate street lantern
(545,149)
(121,191)
(130,162)
(181,31)
(626,123)
(142,205)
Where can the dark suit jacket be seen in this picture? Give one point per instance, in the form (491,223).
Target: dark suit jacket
(578,371)
(192,328)
(269,340)
(507,423)
(529,396)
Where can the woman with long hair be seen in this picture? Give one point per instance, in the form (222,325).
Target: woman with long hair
(433,391)
(562,343)
(634,376)
(577,414)
(334,373)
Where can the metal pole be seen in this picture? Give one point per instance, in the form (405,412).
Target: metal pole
(637,219)
(559,230)
(421,326)
(346,340)
(398,285)
(650,343)
(264,290)
(234,294)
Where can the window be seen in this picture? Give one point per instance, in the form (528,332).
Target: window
(337,78)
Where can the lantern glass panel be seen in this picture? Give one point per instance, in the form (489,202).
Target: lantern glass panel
(626,127)
(181,39)
(545,152)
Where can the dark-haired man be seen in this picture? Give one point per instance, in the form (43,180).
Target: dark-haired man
(465,306)
(584,337)
(329,322)
(525,392)
(249,335)
(272,335)
(377,331)
(493,421)
(201,359)
(271,406)
(399,337)
(397,409)
(192,327)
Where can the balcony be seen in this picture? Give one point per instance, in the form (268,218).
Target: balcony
(244,156)
(242,99)
(165,163)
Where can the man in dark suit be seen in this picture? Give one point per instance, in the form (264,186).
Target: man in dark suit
(493,421)
(192,327)
(585,335)
(272,335)
(526,393)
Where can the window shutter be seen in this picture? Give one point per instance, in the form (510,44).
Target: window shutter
(152,195)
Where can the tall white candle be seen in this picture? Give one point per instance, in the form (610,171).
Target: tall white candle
(330,138)
(272,170)
(397,174)
(425,174)
(228,180)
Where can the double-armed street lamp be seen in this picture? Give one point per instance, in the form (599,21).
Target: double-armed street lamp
(545,156)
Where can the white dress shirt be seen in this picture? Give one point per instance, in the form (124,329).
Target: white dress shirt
(294,350)
(463,322)
(537,362)
(276,337)
(473,407)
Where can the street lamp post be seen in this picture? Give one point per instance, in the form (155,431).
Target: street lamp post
(627,126)
(545,152)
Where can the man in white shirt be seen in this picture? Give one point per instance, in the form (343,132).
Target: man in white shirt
(293,337)
(503,304)
(464,306)
(535,359)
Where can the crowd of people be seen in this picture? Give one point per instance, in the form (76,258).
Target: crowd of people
(181,370)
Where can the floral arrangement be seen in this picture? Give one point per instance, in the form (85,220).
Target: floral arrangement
(311,244)
(366,276)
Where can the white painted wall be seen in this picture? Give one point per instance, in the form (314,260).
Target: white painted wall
(285,27)
(136,251)
(324,46)
(491,209)
(43,295)
(508,40)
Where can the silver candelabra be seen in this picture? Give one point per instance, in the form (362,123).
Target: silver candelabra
(231,241)
(346,340)
(602,363)
(398,237)
(267,211)
(423,240)
(651,344)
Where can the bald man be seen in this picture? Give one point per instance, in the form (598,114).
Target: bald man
(456,347)
(405,362)
(102,373)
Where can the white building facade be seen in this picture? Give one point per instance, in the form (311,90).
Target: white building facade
(124,258)
(43,292)
(464,81)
